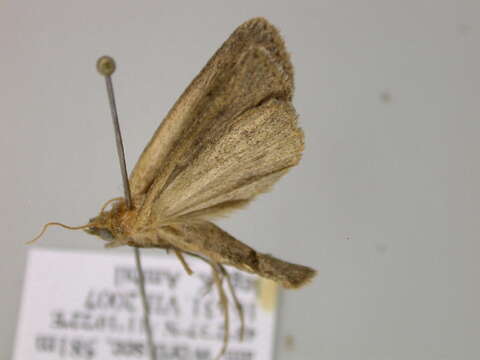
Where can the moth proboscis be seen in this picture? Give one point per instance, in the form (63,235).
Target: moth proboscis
(230,136)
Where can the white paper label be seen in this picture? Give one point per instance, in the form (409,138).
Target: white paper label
(86,305)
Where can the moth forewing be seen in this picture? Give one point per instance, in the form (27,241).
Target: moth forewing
(241,163)
(250,67)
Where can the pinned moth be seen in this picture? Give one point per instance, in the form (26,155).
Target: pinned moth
(231,135)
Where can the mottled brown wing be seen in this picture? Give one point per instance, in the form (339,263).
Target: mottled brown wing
(210,241)
(229,137)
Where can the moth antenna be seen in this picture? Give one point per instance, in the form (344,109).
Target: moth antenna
(108,203)
(45,227)
(181,258)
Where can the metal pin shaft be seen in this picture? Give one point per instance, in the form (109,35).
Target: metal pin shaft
(119,141)
(106,67)
(146,307)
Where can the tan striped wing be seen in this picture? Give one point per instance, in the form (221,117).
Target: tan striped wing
(229,137)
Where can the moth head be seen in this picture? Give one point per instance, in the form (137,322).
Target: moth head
(103,233)
(112,225)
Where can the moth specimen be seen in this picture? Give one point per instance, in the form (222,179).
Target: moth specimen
(230,136)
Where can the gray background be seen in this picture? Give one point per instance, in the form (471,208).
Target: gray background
(385,203)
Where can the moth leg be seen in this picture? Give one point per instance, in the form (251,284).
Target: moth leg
(182,260)
(218,273)
(238,305)
(218,279)
(208,287)
(178,254)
